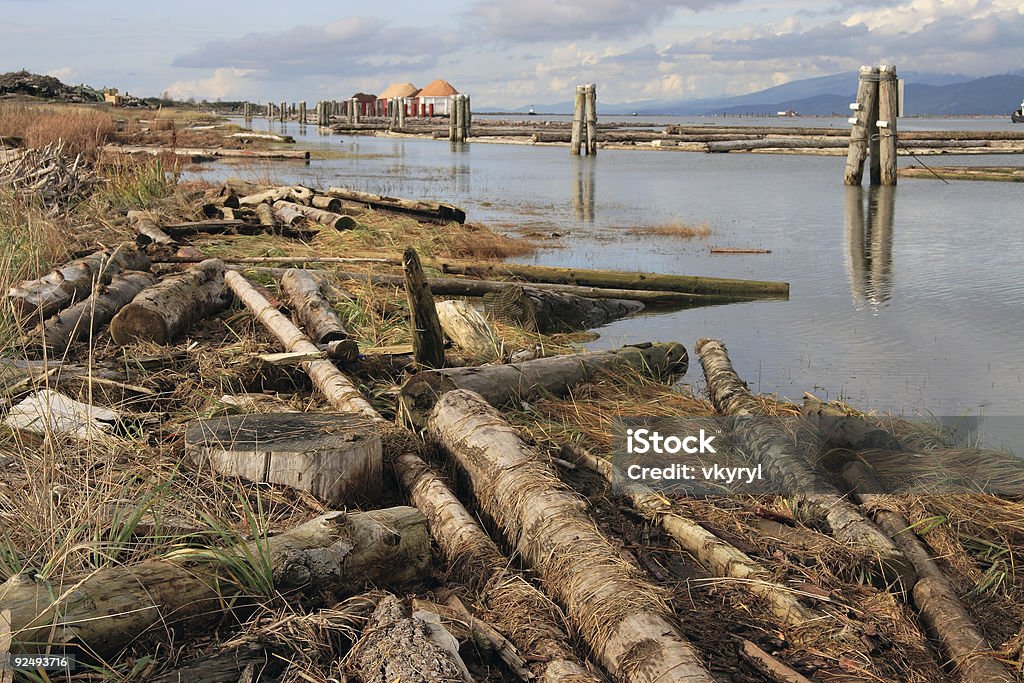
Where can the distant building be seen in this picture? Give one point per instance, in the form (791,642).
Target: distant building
(367,103)
(433,99)
(111,96)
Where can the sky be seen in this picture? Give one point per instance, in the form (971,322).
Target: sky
(505,53)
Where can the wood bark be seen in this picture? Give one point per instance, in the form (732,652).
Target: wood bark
(622,617)
(469,330)
(86,317)
(288,213)
(427,337)
(517,609)
(74,280)
(148,229)
(499,384)
(537,310)
(291,193)
(788,466)
(775,143)
(433,211)
(331,220)
(208,153)
(332,204)
(842,430)
(335,386)
(163,312)
(311,308)
(934,596)
(109,608)
(265,215)
(337,458)
(861,132)
(719,557)
(213,226)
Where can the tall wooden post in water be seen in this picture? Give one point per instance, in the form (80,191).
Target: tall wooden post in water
(591,98)
(302,113)
(400,103)
(452,104)
(579,105)
(283,111)
(888,112)
(864,122)
(467,119)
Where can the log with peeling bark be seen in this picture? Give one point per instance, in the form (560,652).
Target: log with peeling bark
(74,281)
(934,596)
(291,193)
(148,229)
(332,204)
(515,606)
(265,215)
(212,226)
(499,384)
(331,220)
(335,386)
(87,316)
(427,210)
(396,646)
(537,310)
(190,590)
(200,153)
(288,213)
(427,336)
(843,430)
(469,330)
(311,308)
(163,312)
(769,444)
(718,556)
(620,614)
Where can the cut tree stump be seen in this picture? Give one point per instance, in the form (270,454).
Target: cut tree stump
(311,308)
(335,457)
(163,312)
(469,330)
(537,310)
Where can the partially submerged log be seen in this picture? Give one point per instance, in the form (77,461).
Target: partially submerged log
(621,616)
(790,469)
(469,330)
(312,309)
(516,606)
(934,596)
(537,310)
(427,210)
(335,457)
(148,229)
(499,384)
(74,280)
(427,337)
(192,589)
(87,316)
(163,312)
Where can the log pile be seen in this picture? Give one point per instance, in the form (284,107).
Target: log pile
(48,174)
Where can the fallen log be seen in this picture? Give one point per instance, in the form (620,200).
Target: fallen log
(148,229)
(769,666)
(265,215)
(311,308)
(163,312)
(934,596)
(332,204)
(621,616)
(213,226)
(288,213)
(537,310)
(74,280)
(469,330)
(842,430)
(200,153)
(433,211)
(427,337)
(396,646)
(291,193)
(788,466)
(87,316)
(331,220)
(499,384)
(719,557)
(516,607)
(190,590)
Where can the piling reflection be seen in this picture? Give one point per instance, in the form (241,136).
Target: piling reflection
(583,190)
(869,244)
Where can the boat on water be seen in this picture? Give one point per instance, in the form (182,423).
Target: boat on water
(531,112)
(1018,116)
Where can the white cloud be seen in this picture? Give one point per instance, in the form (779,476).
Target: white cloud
(224,83)
(64,74)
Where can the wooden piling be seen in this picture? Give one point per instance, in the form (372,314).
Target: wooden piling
(283,111)
(453,118)
(577,120)
(401,113)
(866,115)
(353,111)
(302,113)
(888,112)
(468,119)
(591,102)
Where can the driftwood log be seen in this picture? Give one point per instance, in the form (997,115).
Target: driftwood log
(840,429)
(469,330)
(328,218)
(788,466)
(163,312)
(87,316)
(105,610)
(515,606)
(265,216)
(148,229)
(288,213)
(499,384)
(311,308)
(427,336)
(537,310)
(290,193)
(621,616)
(74,281)
(426,210)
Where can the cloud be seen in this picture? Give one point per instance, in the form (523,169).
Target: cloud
(529,21)
(225,83)
(64,74)
(357,46)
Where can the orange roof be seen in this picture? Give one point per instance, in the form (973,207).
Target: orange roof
(398,90)
(438,88)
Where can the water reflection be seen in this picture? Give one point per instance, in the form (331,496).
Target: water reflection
(583,194)
(869,242)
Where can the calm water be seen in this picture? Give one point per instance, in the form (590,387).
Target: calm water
(907,299)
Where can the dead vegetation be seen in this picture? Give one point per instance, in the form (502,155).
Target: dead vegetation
(677,229)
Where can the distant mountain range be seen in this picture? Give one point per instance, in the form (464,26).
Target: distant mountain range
(925,94)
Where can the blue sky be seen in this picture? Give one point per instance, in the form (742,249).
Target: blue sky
(503,52)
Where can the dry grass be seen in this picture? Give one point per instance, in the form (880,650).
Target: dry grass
(83,129)
(677,229)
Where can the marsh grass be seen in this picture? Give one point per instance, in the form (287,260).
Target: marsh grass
(83,129)
(677,229)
